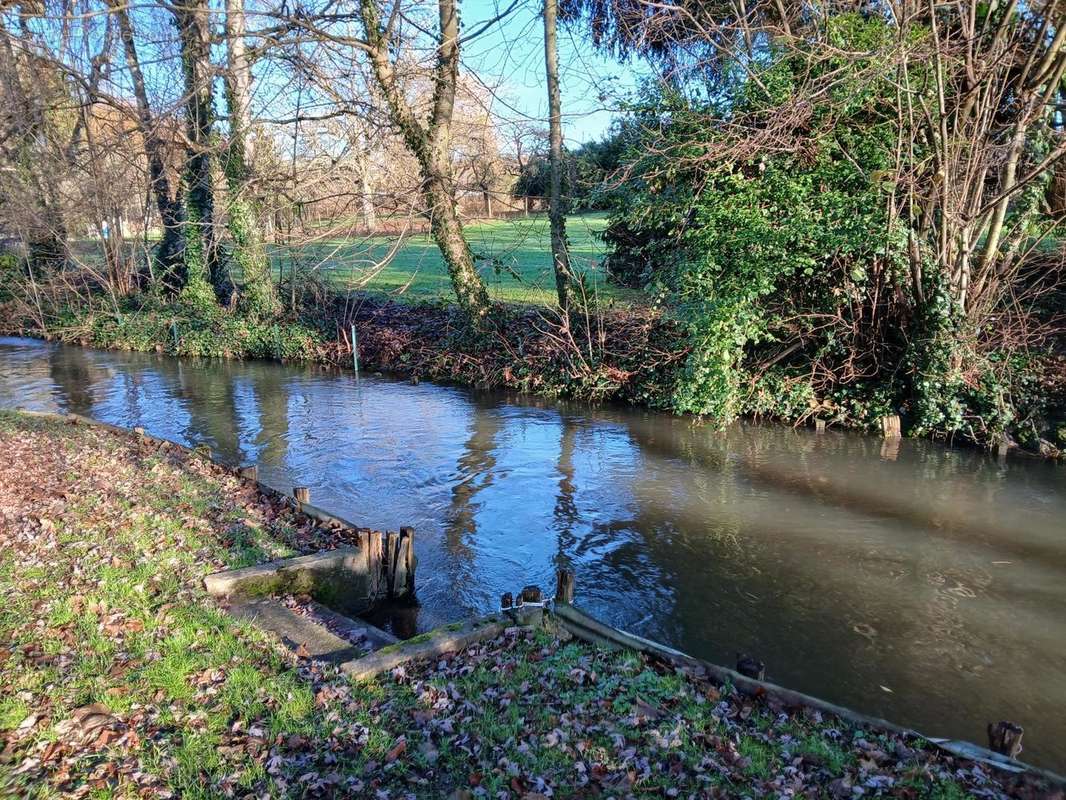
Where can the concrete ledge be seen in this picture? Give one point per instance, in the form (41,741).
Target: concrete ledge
(340,579)
(344,626)
(297,632)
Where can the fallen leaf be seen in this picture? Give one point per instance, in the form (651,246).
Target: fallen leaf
(398,750)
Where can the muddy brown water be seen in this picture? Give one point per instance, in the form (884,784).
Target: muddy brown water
(924,584)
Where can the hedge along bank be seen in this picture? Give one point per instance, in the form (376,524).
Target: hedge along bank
(637,355)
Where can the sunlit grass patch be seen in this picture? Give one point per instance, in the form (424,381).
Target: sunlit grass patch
(513,256)
(13,711)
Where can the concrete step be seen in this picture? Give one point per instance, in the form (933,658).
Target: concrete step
(311,634)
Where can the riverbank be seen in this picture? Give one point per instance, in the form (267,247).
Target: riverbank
(123,677)
(625,354)
(633,354)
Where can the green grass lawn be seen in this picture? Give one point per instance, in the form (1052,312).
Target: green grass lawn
(514,257)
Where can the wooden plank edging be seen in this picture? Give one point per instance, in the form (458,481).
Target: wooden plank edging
(427,645)
(583,626)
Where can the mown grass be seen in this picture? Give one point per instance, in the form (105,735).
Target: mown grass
(513,256)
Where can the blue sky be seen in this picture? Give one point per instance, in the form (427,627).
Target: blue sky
(509,59)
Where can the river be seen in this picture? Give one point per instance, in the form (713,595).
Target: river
(917,582)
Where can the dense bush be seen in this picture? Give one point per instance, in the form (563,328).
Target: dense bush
(786,265)
(587,172)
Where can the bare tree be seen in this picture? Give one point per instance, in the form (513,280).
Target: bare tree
(30,145)
(556,209)
(168,203)
(430,139)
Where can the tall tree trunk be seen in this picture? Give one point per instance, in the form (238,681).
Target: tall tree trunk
(249,253)
(44,231)
(430,143)
(203,273)
(556,211)
(169,252)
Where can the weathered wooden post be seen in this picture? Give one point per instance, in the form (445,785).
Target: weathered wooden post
(374,562)
(174,330)
(137,429)
(407,559)
(249,472)
(819,426)
(506,601)
(751,667)
(564,586)
(1005,738)
(532,594)
(392,546)
(355,351)
(302,494)
(890,427)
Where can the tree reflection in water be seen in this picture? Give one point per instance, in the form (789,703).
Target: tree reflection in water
(934,573)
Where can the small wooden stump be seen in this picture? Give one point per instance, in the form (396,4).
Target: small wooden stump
(751,667)
(506,601)
(249,472)
(302,494)
(139,431)
(564,586)
(890,427)
(531,594)
(1005,738)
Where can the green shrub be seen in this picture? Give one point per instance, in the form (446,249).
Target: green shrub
(787,270)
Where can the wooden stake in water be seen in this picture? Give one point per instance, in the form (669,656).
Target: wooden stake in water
(355,352)
(564,586)
(174,328)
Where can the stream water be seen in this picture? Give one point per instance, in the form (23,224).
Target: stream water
(913,581)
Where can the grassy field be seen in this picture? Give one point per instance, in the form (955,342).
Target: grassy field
(514,256)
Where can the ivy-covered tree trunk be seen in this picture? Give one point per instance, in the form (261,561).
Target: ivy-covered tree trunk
(447,231)
(249,253)
(205,281)
(168,256)
(430,143)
